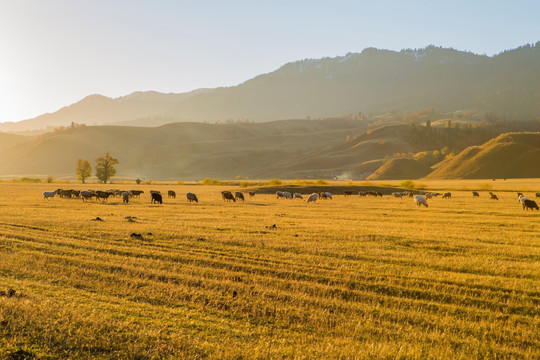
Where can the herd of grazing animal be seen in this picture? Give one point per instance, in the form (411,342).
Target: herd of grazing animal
(420,199)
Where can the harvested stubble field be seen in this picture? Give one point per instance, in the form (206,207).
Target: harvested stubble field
(347,278)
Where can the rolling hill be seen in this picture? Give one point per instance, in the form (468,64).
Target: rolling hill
(333,148)
(400,169)
(512,155)
(180,150)
(372,81)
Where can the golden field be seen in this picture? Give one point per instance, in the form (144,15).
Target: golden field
(348,278)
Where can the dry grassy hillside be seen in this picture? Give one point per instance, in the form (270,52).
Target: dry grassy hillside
(513,155)
(340,147)
(400,169)
(8,140)
(181,150)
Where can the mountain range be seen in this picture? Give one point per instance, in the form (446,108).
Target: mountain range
(372,81)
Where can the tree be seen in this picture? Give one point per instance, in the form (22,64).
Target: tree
(83,170)
(105,167)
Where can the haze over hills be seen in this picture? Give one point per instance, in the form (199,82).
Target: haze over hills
(372,81)
(340,147)
(133,109)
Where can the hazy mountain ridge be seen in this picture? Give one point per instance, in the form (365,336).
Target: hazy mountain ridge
(100,110)
(373,81)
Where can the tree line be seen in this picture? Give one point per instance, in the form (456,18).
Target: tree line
(104,167)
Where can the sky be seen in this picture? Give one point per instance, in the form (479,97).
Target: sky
(56,52)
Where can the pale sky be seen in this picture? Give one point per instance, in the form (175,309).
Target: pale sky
(55,52)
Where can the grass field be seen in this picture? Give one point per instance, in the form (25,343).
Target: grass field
(348,278)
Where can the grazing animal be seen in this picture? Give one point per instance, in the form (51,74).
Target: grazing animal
(419,200)
(297,196)
(362,193)
(519,194)
(251,193)
(103,195)
(86,195)
(171,194)
(49,194)
(155,192)
(447,195)
(475,194)
(136,193)
(329,195)
(493,197)
(125,197)
(227,196)
(64,193)
(191,197)
(348,192)
(239,196)
(411,194)
(312,198)
(379,193)
(529,204)
(156,198)
(429,195)
(371,193)
(397,194)
(75,193)
(322,195)
(279,194)
(538,195)
(287,195)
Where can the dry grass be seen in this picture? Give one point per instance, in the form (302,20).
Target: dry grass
(345,278)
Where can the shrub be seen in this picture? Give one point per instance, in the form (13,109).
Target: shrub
(49,179)
(246,183)
(409,184)
(275,182)
(29,180)
(321,182)
(179,182)
(209,181)
(485,186)
(303,182)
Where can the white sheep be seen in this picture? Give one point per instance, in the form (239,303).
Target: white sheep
(312,198)
(49,194)
(522,199)
(419,200)
(297,196)
(287,195)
